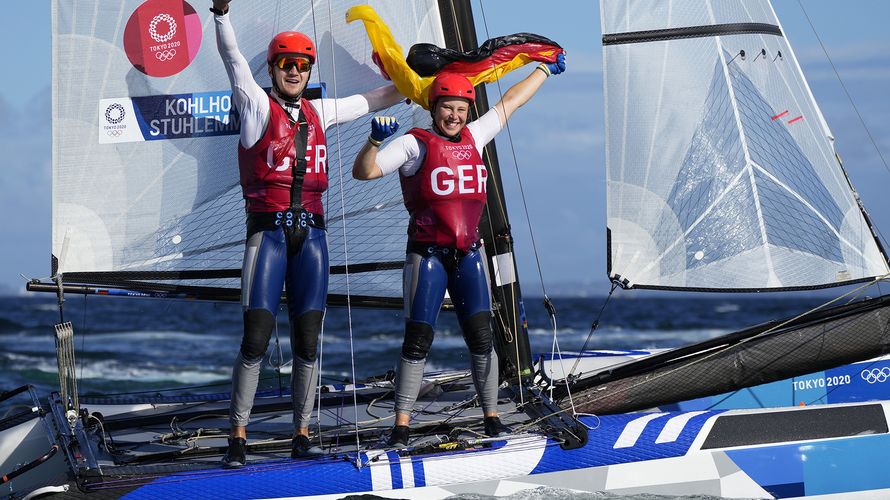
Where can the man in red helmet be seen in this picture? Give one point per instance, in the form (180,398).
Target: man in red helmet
(282,161)
(444,184)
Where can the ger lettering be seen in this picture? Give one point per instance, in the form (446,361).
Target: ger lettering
(469,179)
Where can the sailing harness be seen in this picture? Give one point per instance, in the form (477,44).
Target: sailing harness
(449,256)
(295,221)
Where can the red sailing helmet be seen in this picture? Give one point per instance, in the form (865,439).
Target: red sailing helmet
(451,85)
(290,42)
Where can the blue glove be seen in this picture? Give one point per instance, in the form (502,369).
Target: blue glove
(557,67)
(383,127)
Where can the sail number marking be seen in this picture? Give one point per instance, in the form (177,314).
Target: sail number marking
(819,383)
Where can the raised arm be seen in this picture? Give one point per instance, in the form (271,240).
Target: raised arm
(346,109)
(519,94)
(247,95)
(382,97)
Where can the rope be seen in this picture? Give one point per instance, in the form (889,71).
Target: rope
(67,370)
(499,314)
(525,208)
(556,352)
(855,109)
(594,326)
(345,238)
(844,87)
(518,175)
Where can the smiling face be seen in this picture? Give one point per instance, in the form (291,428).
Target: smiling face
(290,73)
(451,115)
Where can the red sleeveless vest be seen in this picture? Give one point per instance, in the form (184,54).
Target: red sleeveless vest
(266,167)
(446,196)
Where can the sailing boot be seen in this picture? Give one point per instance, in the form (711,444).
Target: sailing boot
(398,438)
(494,427)
(236,453)
(301,447)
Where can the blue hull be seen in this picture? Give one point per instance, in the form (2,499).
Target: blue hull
(666,453)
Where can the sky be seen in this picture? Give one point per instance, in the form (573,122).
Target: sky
(554,144)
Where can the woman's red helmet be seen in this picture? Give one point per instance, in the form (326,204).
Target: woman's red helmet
(451,85)
(290,42)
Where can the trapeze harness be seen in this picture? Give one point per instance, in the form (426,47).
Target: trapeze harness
(286,245)
(445,199)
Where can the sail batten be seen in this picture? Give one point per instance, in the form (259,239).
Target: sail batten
(721,170)
(690,32)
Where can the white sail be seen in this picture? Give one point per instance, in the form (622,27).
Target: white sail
(722,173)
(145,174)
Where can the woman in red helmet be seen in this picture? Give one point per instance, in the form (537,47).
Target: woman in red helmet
(444,185)
(282,161)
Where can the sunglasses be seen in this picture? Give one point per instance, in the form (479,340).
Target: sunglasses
(286,62)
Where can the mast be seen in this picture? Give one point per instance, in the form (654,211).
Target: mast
(510,329)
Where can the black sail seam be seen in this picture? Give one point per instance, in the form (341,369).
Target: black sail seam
(691,32)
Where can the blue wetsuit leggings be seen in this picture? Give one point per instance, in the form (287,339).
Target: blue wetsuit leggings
(426,277)
(267,269)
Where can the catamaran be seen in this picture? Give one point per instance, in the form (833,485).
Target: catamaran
(722,176)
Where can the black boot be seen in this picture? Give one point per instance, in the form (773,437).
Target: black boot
(235,453)
(301,447)
(494,427)
(398,438)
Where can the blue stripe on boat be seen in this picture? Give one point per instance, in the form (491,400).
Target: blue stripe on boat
(600,449)
(395,469)
(419,477)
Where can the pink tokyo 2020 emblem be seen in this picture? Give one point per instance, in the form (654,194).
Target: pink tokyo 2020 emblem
(162,37)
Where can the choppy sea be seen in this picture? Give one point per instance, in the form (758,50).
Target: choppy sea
(129,344)
(148,344)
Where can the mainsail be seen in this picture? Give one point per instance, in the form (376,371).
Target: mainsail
(722,172)
(146,199)
(145,179)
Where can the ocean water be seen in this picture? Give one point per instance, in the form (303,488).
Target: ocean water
(146,345)
(137,344)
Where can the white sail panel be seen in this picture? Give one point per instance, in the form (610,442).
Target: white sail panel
(145,174)
(721,171)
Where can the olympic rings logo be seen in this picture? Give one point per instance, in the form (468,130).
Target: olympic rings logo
(875,375)
(114,120)
(171,28)
(116,132)
(460,155)
(165,55)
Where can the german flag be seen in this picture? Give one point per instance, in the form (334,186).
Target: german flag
(492,60)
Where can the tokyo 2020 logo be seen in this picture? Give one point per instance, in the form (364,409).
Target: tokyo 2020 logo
(114,114)
(162,37)
(875,375)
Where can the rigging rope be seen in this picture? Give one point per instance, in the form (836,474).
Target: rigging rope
(844,87)
(67,375)
(505,325)
(855,109)
(518,175)
(345,238)
(548,304)
(554,348)
(594,325)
